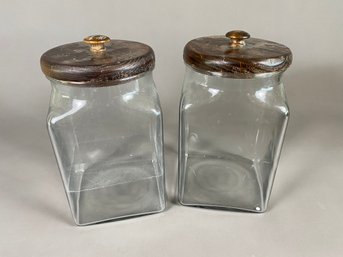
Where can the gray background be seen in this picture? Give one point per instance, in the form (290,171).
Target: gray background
(305,214)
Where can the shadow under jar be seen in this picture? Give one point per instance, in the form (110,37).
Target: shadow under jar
(105,125)
(233,117)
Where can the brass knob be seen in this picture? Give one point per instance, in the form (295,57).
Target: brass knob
(97,42)
(237,37)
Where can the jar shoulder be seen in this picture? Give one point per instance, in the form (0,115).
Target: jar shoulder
(197,96)
(130,104)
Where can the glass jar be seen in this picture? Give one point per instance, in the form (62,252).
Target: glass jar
(105,125)
(233,118)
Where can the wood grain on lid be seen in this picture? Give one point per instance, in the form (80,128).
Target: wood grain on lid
(243,58)
(78,65)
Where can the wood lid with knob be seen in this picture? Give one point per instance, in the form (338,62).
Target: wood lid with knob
(236,55)
(98,61)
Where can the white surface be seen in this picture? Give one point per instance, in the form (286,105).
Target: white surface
(305,214)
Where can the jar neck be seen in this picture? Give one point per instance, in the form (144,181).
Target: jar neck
(259,81)
(143,83)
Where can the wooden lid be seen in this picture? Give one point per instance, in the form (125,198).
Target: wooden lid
(98,61)
(236,55)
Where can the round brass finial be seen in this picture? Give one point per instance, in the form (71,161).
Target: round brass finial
(97,42)
(237,37)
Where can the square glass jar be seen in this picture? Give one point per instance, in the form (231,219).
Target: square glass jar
(105,125)
(233,118)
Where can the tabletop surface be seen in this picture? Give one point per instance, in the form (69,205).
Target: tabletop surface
(305,211)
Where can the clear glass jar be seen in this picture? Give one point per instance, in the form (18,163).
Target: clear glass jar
(232,127)
(108,142)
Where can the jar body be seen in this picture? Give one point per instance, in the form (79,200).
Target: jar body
(231,134)
(108,142)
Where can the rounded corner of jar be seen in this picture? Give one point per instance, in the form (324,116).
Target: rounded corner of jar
(287,113)
(260,210)
(50,119)
(79,224)
(285,110)
(163,207)
(185,107)
(156,111)
(181,201)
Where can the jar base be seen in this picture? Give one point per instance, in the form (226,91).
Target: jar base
(118,191)
(121,217)
(231,182)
